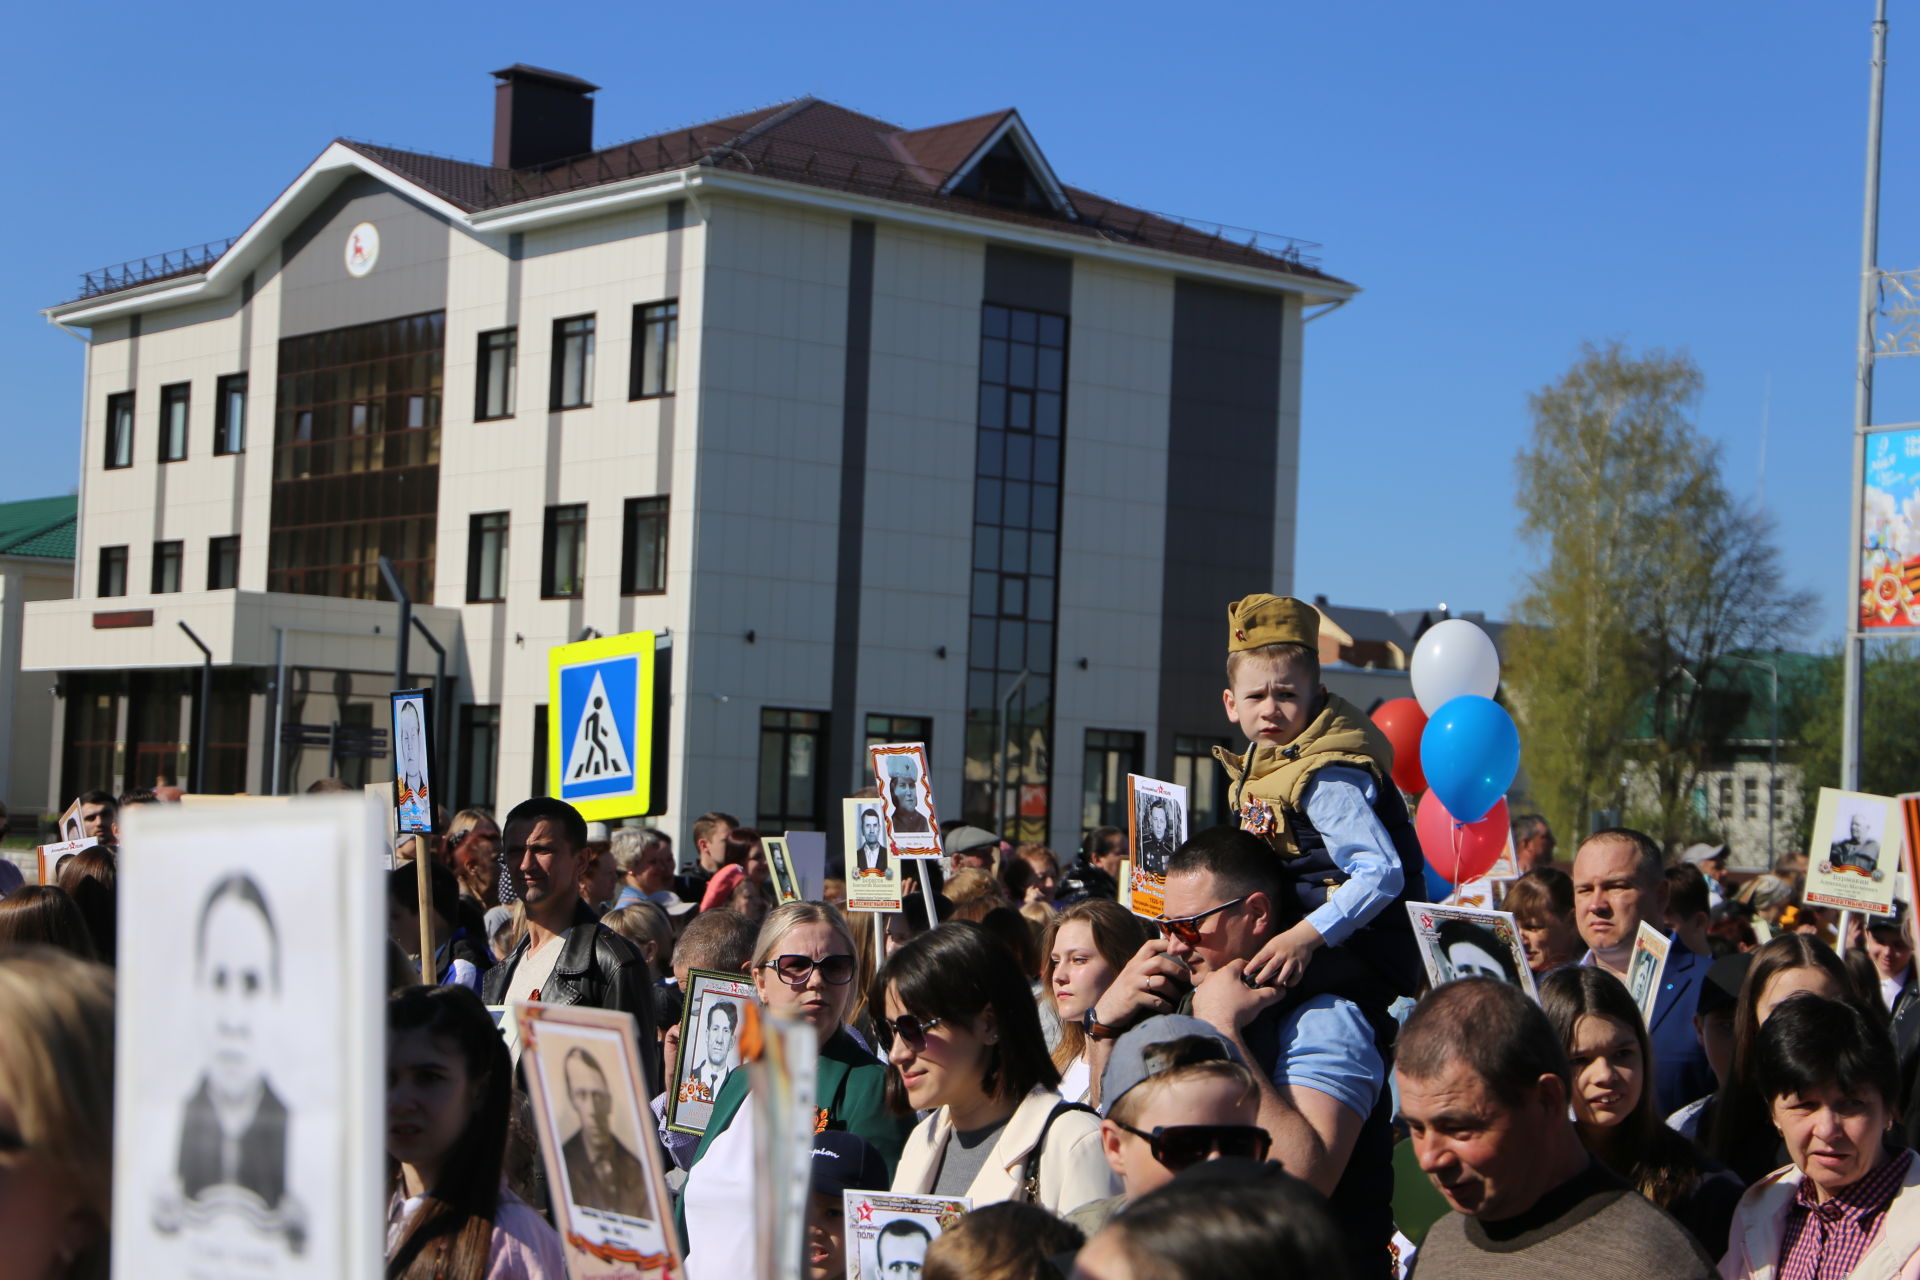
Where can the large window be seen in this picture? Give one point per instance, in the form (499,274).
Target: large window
(643,547)
(174,400)
(230,414)
(119,430)
(656,343)
(572,363)
(113,571)
(1112,754)
(1196,769)
(494,383)
(223,563)
(356,461)
(167,560)
(479,756)
(1016,523)
(885,729)
(487,557)
(792,783)
(563,553)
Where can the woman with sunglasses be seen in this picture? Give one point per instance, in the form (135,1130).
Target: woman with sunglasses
(803,967)
(963,1039)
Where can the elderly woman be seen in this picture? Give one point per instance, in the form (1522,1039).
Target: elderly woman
(803,967)
(1849,1204)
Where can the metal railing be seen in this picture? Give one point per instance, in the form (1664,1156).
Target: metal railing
(160,266)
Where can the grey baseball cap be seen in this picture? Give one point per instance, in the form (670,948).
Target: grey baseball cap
(967,839)
(1158,1044)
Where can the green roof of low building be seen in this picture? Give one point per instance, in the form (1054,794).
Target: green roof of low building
(45,528)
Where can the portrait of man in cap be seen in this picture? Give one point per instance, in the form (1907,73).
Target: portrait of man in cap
(903,789)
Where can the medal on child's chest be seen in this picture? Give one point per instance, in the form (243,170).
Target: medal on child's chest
(1256,817)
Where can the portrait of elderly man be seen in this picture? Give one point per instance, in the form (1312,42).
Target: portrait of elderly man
(1859,850)
(601,1172)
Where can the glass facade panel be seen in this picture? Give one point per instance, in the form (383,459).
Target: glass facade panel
(356,467)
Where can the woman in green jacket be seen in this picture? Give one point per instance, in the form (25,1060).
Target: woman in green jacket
(803,967)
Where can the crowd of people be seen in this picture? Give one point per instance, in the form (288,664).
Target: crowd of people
(1217,1090)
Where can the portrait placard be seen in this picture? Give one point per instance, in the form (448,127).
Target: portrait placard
(70,823)
(1507,865)
(873,877)
(906,808)
(888,1235)
(604,1182)
(250,1098)
(710,1020)
(52,855)
(1470,942)
(780,873)
(1649,961)
(1156,826)
(412,761)
(1856,852)
(783,1062)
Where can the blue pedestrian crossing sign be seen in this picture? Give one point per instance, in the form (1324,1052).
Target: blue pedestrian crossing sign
(600,725)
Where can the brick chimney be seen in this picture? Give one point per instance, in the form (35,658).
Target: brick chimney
(540,116)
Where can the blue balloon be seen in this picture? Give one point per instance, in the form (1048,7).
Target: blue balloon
(1438,887)
(1470,752)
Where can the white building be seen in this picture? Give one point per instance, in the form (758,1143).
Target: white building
(893,433)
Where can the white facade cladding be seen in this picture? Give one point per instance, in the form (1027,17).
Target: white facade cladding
(784,377)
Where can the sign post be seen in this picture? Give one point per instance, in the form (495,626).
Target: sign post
(601,706)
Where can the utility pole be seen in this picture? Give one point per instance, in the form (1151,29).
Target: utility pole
(1863,409)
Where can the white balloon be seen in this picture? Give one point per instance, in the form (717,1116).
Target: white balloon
(1454,659)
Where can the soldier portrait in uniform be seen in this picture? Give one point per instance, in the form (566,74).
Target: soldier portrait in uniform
(1858,847)
(601,1172)
(1159,820)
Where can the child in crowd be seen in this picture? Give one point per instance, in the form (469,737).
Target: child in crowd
(1316,784)
(842,1162)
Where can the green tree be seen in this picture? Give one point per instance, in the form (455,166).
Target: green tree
(1889,708)
(1650,577)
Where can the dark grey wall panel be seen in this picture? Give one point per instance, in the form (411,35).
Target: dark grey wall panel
(1222,460)
(1036,281)
(845,730)
(409,277)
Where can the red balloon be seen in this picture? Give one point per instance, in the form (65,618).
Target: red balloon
(1460,851)
(1403,722)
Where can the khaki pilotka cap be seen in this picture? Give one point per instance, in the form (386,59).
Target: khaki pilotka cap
(1263,620)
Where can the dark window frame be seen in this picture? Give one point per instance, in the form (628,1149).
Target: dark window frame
(654,322)
(566,514)
(556,391)
(657,511)
(1129,745)
(169,551)
(476,536)
(217,549)
(483,367)
(880,728)
(777,724)
(120,411)
(175,393)
(225,432)
(479,734)
(116,558)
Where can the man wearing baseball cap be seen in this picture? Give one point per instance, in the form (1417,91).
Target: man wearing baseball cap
(1712,861)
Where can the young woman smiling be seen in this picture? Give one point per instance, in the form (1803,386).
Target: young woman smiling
(1086,946)
(963,1039)
(449,1096)
(1614,1109)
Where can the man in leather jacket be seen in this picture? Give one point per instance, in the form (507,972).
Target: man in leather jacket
(567,956)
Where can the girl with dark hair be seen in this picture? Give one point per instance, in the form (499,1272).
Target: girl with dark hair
(1614,1109)
(44,915)
(1826,1071)
(1085,948)
(963,1042)
(1735,1122)
(1542,905)
(449,1100)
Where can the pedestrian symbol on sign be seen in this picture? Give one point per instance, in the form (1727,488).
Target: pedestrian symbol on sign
(596,754)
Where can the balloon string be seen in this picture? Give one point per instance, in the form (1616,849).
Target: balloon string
(1458,827)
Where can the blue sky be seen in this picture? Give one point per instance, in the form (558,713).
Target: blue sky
(1503,180)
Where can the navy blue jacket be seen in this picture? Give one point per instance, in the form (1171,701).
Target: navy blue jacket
(1680,1070)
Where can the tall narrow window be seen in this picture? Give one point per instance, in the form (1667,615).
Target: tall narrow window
(494,384)
(479,754)
(792,782)
(563,555)
(1111,755)
(643,554)
(1196,769)
(173,421)
(223,563)
(656,343)
(487,557)
(120,430)
(166,566)
(230,414)
(113,571)
(572,363)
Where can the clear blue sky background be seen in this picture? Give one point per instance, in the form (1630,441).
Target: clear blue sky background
(1504,180)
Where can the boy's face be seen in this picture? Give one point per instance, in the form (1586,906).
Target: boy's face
(1272,699)
(826,1237)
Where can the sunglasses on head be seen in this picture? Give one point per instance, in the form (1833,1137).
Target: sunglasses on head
(911,1028)
(1180,1146)
(1187,928)
(836,971)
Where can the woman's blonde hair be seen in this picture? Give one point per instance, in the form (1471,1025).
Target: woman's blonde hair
(56,1069)
(790,915)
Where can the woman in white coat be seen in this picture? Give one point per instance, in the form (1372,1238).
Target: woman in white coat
(963,1042)
(1849,1204)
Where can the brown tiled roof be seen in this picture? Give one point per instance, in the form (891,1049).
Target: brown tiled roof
(945,147)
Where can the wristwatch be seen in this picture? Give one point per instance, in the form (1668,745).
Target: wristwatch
(1096,1029)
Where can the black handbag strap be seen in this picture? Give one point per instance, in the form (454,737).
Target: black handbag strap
(1030,1186)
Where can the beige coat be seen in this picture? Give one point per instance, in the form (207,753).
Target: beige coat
(1753,1253)
(1073,1169)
